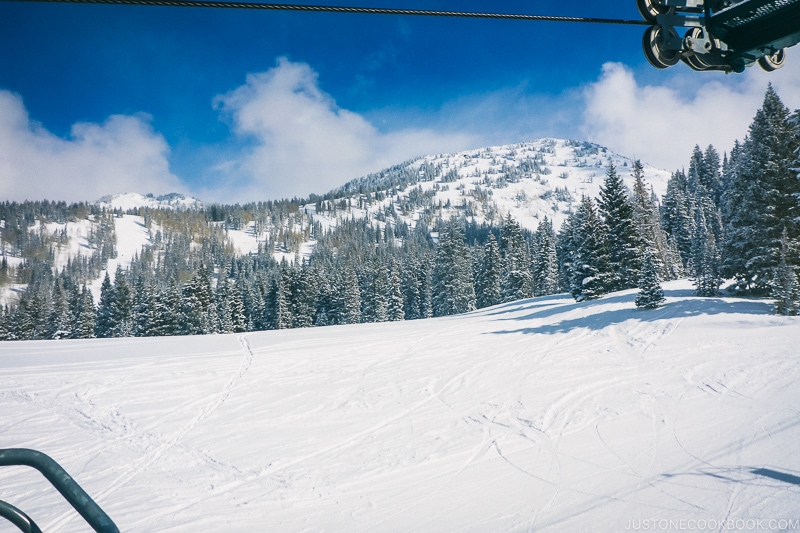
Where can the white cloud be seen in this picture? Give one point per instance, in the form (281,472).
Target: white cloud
(660,124)
(304,142)
(122,154)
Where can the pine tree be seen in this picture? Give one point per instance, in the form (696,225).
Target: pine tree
(84,325)
(786,287)
(650,295)
(647,219)
(123,305)
(303,297)
(488,289)
(351,298)
(375,300)
(105,320)
(395,309)
(59,324)
(761,199)
(453,289)
(705,259)
(590,272)
(623,244)
(278,308)
(677,215)
(545,261)
(516,280)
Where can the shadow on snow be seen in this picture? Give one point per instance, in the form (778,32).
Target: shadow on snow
(544,308)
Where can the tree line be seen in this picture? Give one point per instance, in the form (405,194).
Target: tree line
(731,217)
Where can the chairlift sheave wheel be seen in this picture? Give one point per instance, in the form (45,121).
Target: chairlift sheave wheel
(650,9)
(774,61)
(655,51)
(695,61)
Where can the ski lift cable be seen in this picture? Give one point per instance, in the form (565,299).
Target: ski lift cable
(346,9)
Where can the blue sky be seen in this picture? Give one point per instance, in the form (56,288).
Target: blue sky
(232,105)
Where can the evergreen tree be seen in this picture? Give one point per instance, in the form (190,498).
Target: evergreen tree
(677,217)
(516,281)
(786,288)
(59,324)
(237,308)
(623,244)
(303,297)
(375,301)
(105,320)
(453,290)
(761,199)
(488,289)
(650,295)
(278,308)
(647,219)
(705,259)
(350,298)
(590,273)
(123,306)
(84,325)
(545,261)
(395,309)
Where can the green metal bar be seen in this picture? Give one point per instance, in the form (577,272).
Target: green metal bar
(18,518)
(63,482)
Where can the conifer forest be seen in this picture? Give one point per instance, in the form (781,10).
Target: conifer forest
(729,220)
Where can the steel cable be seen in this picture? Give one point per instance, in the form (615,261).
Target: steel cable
(345,9)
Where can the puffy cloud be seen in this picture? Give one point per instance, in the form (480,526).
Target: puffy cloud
(303,142)
(660,124)
(122,154)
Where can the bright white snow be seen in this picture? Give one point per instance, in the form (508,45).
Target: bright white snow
(542,414)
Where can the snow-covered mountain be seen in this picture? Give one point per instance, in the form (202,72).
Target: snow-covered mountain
(541,414)
(135,200)
(530,181)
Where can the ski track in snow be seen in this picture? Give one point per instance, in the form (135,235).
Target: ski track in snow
(578,417)
(151,456)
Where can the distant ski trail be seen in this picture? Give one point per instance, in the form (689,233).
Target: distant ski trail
(151,457)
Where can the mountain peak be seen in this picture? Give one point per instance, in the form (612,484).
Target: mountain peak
(133,200)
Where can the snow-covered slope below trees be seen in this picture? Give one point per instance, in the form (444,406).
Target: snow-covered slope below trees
(541,414)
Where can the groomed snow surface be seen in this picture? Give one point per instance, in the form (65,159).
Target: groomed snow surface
(543,414)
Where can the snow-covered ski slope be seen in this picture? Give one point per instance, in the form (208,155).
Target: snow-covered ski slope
(542,414)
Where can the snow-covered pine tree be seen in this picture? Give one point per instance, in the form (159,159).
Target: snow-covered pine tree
(488,289)
(647,219)
(786,286)
(105,320)
(350,305)
(761,199)
(395,309)
(705,262)
(237,306)
(123,305)
(278,307)
(622,241)
(650,295)
(453,289)
(677,217)
(59,324)
(374,291)
(545,260)
(590,272)
(516,281)
(84,325)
